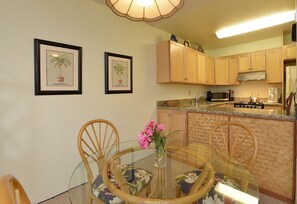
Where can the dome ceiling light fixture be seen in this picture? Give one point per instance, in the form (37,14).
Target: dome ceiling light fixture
(145,10)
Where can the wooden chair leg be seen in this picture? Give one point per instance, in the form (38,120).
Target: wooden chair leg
(89,199)
(148,189)
(178,193)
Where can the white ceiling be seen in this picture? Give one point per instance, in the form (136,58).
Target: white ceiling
(198,20)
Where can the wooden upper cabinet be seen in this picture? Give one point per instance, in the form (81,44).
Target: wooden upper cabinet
(190,72)
(210,74)
(289,51)
(258,61)
(221,71)
(252,62)
(202,68)
(170,58)
(226,70)
(233,72)
(176,63)
(244,63)
(274,66)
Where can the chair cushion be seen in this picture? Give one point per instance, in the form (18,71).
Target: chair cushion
(136,178)
(185,182)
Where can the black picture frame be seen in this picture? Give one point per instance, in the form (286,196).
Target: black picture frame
(58,68)
(118,73)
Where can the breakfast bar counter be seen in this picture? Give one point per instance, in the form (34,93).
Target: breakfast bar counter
(275,132)
(224,108)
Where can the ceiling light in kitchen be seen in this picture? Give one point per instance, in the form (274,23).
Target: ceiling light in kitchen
(145,10)
(256,24)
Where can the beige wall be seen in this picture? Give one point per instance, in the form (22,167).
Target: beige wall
(38,133)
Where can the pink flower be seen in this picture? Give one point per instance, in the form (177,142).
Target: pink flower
(144,140)
(160,127)
(149,131)
(150,124)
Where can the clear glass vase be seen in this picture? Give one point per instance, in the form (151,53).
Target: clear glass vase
(160,157)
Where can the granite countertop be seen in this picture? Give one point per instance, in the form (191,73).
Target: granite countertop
(214,107)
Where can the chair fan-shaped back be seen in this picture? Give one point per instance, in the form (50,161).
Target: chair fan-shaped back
(97,139)
(11,191)
(236,140)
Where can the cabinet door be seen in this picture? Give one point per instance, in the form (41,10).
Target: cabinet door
(202,74)
(221,71)
(178,123)
(289,51)
(273,108)
(232,63)
(210,70)
(258,60)
(274,66)
(244,63)
(174,121)
(177,62)
(164,118)
(191,66)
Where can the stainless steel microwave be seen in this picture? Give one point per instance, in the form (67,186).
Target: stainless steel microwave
(220,95)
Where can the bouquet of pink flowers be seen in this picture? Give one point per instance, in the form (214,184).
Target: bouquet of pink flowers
(153,132)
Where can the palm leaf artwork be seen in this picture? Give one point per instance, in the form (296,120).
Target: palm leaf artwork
(60,61)
(120,70)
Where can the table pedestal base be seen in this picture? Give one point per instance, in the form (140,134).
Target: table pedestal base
(159,188)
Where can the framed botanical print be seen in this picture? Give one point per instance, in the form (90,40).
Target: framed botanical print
(58,68)
(118,73)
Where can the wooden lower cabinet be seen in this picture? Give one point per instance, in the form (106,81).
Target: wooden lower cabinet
(174,120)
(274,169)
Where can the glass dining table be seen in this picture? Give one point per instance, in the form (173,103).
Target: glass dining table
(163,187)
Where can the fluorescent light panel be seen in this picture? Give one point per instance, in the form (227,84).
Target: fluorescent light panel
(258,24)
(235,194)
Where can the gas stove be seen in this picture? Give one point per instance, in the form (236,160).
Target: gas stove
(258,105)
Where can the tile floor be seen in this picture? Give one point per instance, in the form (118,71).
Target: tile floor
(64,199)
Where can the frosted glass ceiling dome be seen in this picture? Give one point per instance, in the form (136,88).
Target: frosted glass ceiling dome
(145,10)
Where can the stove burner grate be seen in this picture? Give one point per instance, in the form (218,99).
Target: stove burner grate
(258,105)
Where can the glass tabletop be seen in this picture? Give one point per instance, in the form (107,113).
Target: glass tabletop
(179,161)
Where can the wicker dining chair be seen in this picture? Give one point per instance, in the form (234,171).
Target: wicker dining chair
(231,144)
(97,141)
(12,191)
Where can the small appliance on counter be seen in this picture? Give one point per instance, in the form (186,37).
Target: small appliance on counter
(254,98)
(227,95)
(272,95)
